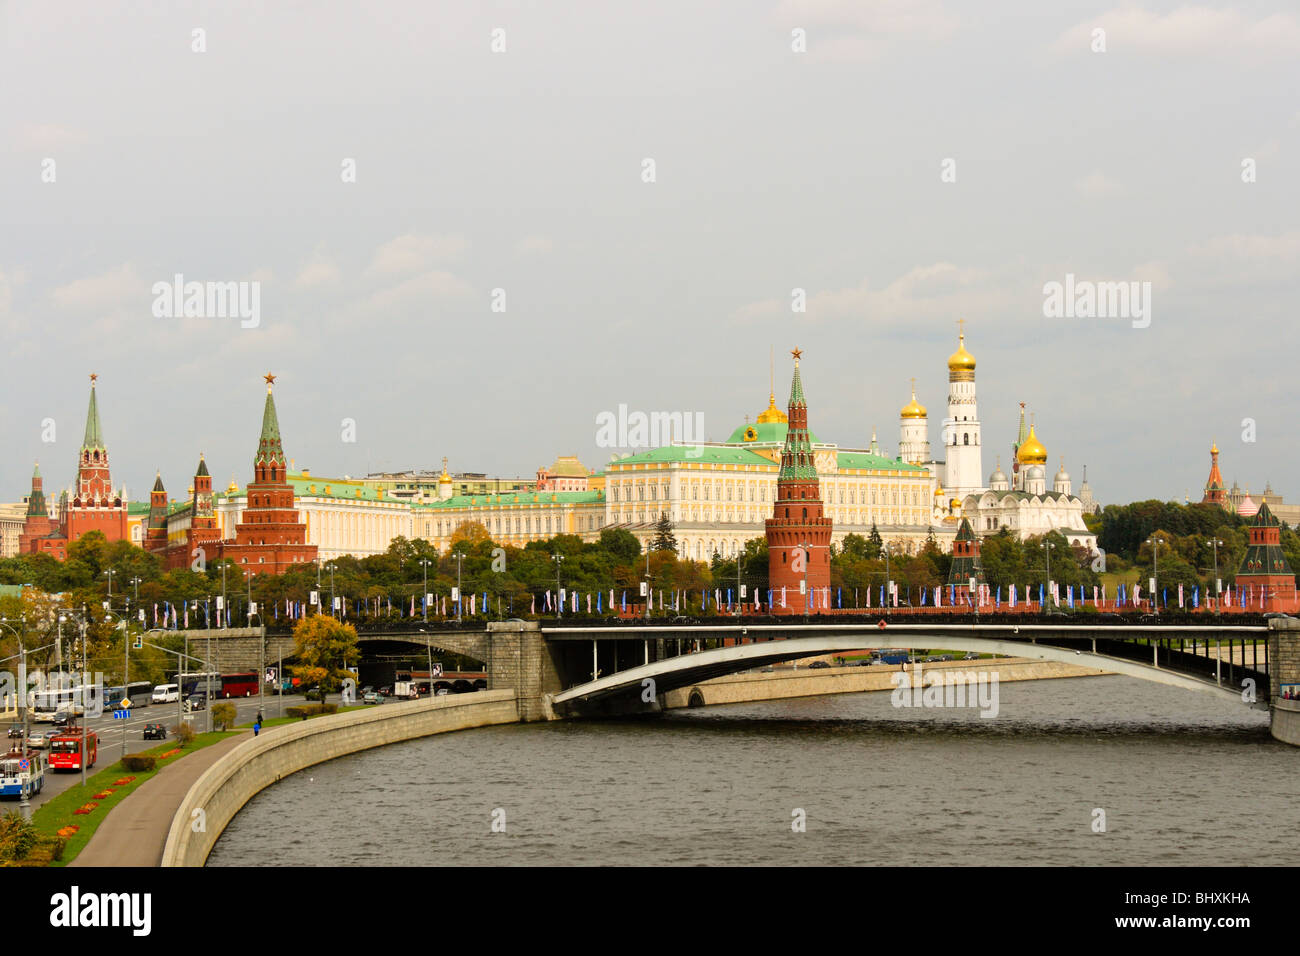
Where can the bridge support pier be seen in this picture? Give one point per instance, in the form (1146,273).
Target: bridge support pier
(1284,669)
(519,658)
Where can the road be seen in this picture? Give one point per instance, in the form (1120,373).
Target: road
(110,733)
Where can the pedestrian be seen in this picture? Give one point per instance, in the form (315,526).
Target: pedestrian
(259,715)
(257,727)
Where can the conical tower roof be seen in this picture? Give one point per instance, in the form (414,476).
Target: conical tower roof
(269,449)
(157,482)
(94,437)
(203,467)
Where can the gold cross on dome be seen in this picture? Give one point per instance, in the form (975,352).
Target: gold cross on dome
(961,327)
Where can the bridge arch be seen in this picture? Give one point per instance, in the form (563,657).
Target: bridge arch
(687,670)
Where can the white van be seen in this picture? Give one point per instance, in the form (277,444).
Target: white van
(166,694)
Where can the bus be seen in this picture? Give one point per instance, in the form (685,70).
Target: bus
(207,683)
(138,692)
(65,749)
(17,780)
(73,700)
(239,685)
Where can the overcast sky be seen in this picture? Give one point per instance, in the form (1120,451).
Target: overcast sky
(523,171)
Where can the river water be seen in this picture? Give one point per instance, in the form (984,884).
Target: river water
(1183,779)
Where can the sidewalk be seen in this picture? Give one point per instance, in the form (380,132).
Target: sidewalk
(136,829)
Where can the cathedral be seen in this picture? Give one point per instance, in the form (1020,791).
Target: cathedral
(1022,503)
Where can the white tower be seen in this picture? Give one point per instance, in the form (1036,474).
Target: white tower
(1061,484)
(961,429)
(913,431)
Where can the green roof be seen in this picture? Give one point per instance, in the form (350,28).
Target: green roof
(767,433)
(869,462)
(269,448)
(94,434)
(714,454)
(510,499)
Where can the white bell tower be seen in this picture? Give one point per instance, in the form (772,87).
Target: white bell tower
(964,473)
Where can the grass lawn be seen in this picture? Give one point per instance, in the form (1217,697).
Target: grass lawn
(278,721)
(52,816)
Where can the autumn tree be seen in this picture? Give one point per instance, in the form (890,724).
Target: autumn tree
(327,648)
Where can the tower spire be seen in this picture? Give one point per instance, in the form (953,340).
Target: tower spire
(94,438)
(270,452)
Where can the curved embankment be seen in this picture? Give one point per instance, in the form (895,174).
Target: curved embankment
(1286,721)
(804,682)
(260,761)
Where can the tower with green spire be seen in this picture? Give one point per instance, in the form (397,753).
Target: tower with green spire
(269,536)
(798,533)
(93,505)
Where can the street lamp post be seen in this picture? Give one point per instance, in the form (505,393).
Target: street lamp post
(889,584)
(1215,543)
(109,574)
(1155,572)
(333,599)
(559,605)
(460,598)
(1047,548)
(424,595)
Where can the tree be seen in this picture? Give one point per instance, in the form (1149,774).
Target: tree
(470,533)
(223,714)
(326,647)
(621,544)
(874,545)
(664,539)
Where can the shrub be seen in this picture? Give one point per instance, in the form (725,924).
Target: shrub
(184,733)
(17,836)
(223,714)
(140,763)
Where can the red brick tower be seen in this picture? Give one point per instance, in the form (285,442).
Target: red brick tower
(269,537)
(204,533)
(155,533)
(37,523)
(1215,491)
(94,506)
(798,535)
(1265,564)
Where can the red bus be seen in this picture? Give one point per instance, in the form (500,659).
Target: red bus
(239,685)
(65,749)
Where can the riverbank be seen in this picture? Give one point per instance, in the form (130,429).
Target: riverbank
(223,789)
(781,684)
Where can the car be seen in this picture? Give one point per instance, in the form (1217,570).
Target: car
(36,738)
(63,718)
(155,732)
(817,665)
(196,702)
(970,656)
(371,697)
(944,657)
(50,735)
(314,693)
(366,690)
(385,691)
(441,692)
(16,732)
(166,694)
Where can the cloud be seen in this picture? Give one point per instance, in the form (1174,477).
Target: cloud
(940,290)
(1199,32)
(316,273)
(48,137)
(418,292)
(851,30)
(112,288)
(1097,185)
(414,253)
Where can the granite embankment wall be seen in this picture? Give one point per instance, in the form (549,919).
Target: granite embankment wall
(279,751)
(780,684)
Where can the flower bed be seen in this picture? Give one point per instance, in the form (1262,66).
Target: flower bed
(123,781)
(67,831)
(87,807)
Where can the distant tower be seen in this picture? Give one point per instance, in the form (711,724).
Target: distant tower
(965,558)
(1031,459)
(155,535)
(913,428)
(963,471)
(1265,564)
(38,522)
(1216,493)
(93,506)
(797,518)
(1090,506)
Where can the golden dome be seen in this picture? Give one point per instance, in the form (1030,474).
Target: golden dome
(1214,448)
(961,360)
(444,478)
(1032,451)
(913,409)
(772,413)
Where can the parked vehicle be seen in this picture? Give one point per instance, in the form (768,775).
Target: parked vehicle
(166,694)
(818,665)
(155,732)
(371,697)
(314,693)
